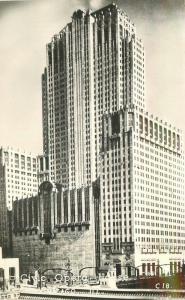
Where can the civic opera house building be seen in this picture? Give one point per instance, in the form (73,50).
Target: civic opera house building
(96,126)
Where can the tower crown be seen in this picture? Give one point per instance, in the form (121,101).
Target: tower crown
(78,14)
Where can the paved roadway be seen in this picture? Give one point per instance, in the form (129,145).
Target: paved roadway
(69,294)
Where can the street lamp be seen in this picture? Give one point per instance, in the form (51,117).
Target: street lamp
(38,275)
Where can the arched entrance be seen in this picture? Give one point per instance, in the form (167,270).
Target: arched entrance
(117,263)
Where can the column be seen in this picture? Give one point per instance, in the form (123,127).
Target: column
(52,196)
(22,202)
(76,206)
(27,211)
(62,207)
(17,214)
(33,215)
(55,206)
(41,214)
(83,205)
(69,206)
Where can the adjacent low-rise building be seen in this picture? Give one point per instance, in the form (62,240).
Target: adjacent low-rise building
(9,271)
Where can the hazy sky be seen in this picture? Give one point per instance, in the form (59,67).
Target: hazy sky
(26,27)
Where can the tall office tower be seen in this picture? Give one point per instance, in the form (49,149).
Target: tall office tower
(142,191)
(18,176)
(94,65)
(95,71)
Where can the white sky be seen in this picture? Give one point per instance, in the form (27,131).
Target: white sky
(26,27)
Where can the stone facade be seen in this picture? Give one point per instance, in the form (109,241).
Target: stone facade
(77,247)
(56,227)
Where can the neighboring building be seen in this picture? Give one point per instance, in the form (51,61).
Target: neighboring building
(5,239)
(9,271)
(18,178)
(94,65)
(142,191)
(58,226)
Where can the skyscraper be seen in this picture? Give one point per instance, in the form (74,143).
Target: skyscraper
(95,124)
(94,65)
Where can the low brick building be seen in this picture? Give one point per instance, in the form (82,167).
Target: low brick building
(57,226)
(9,271)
